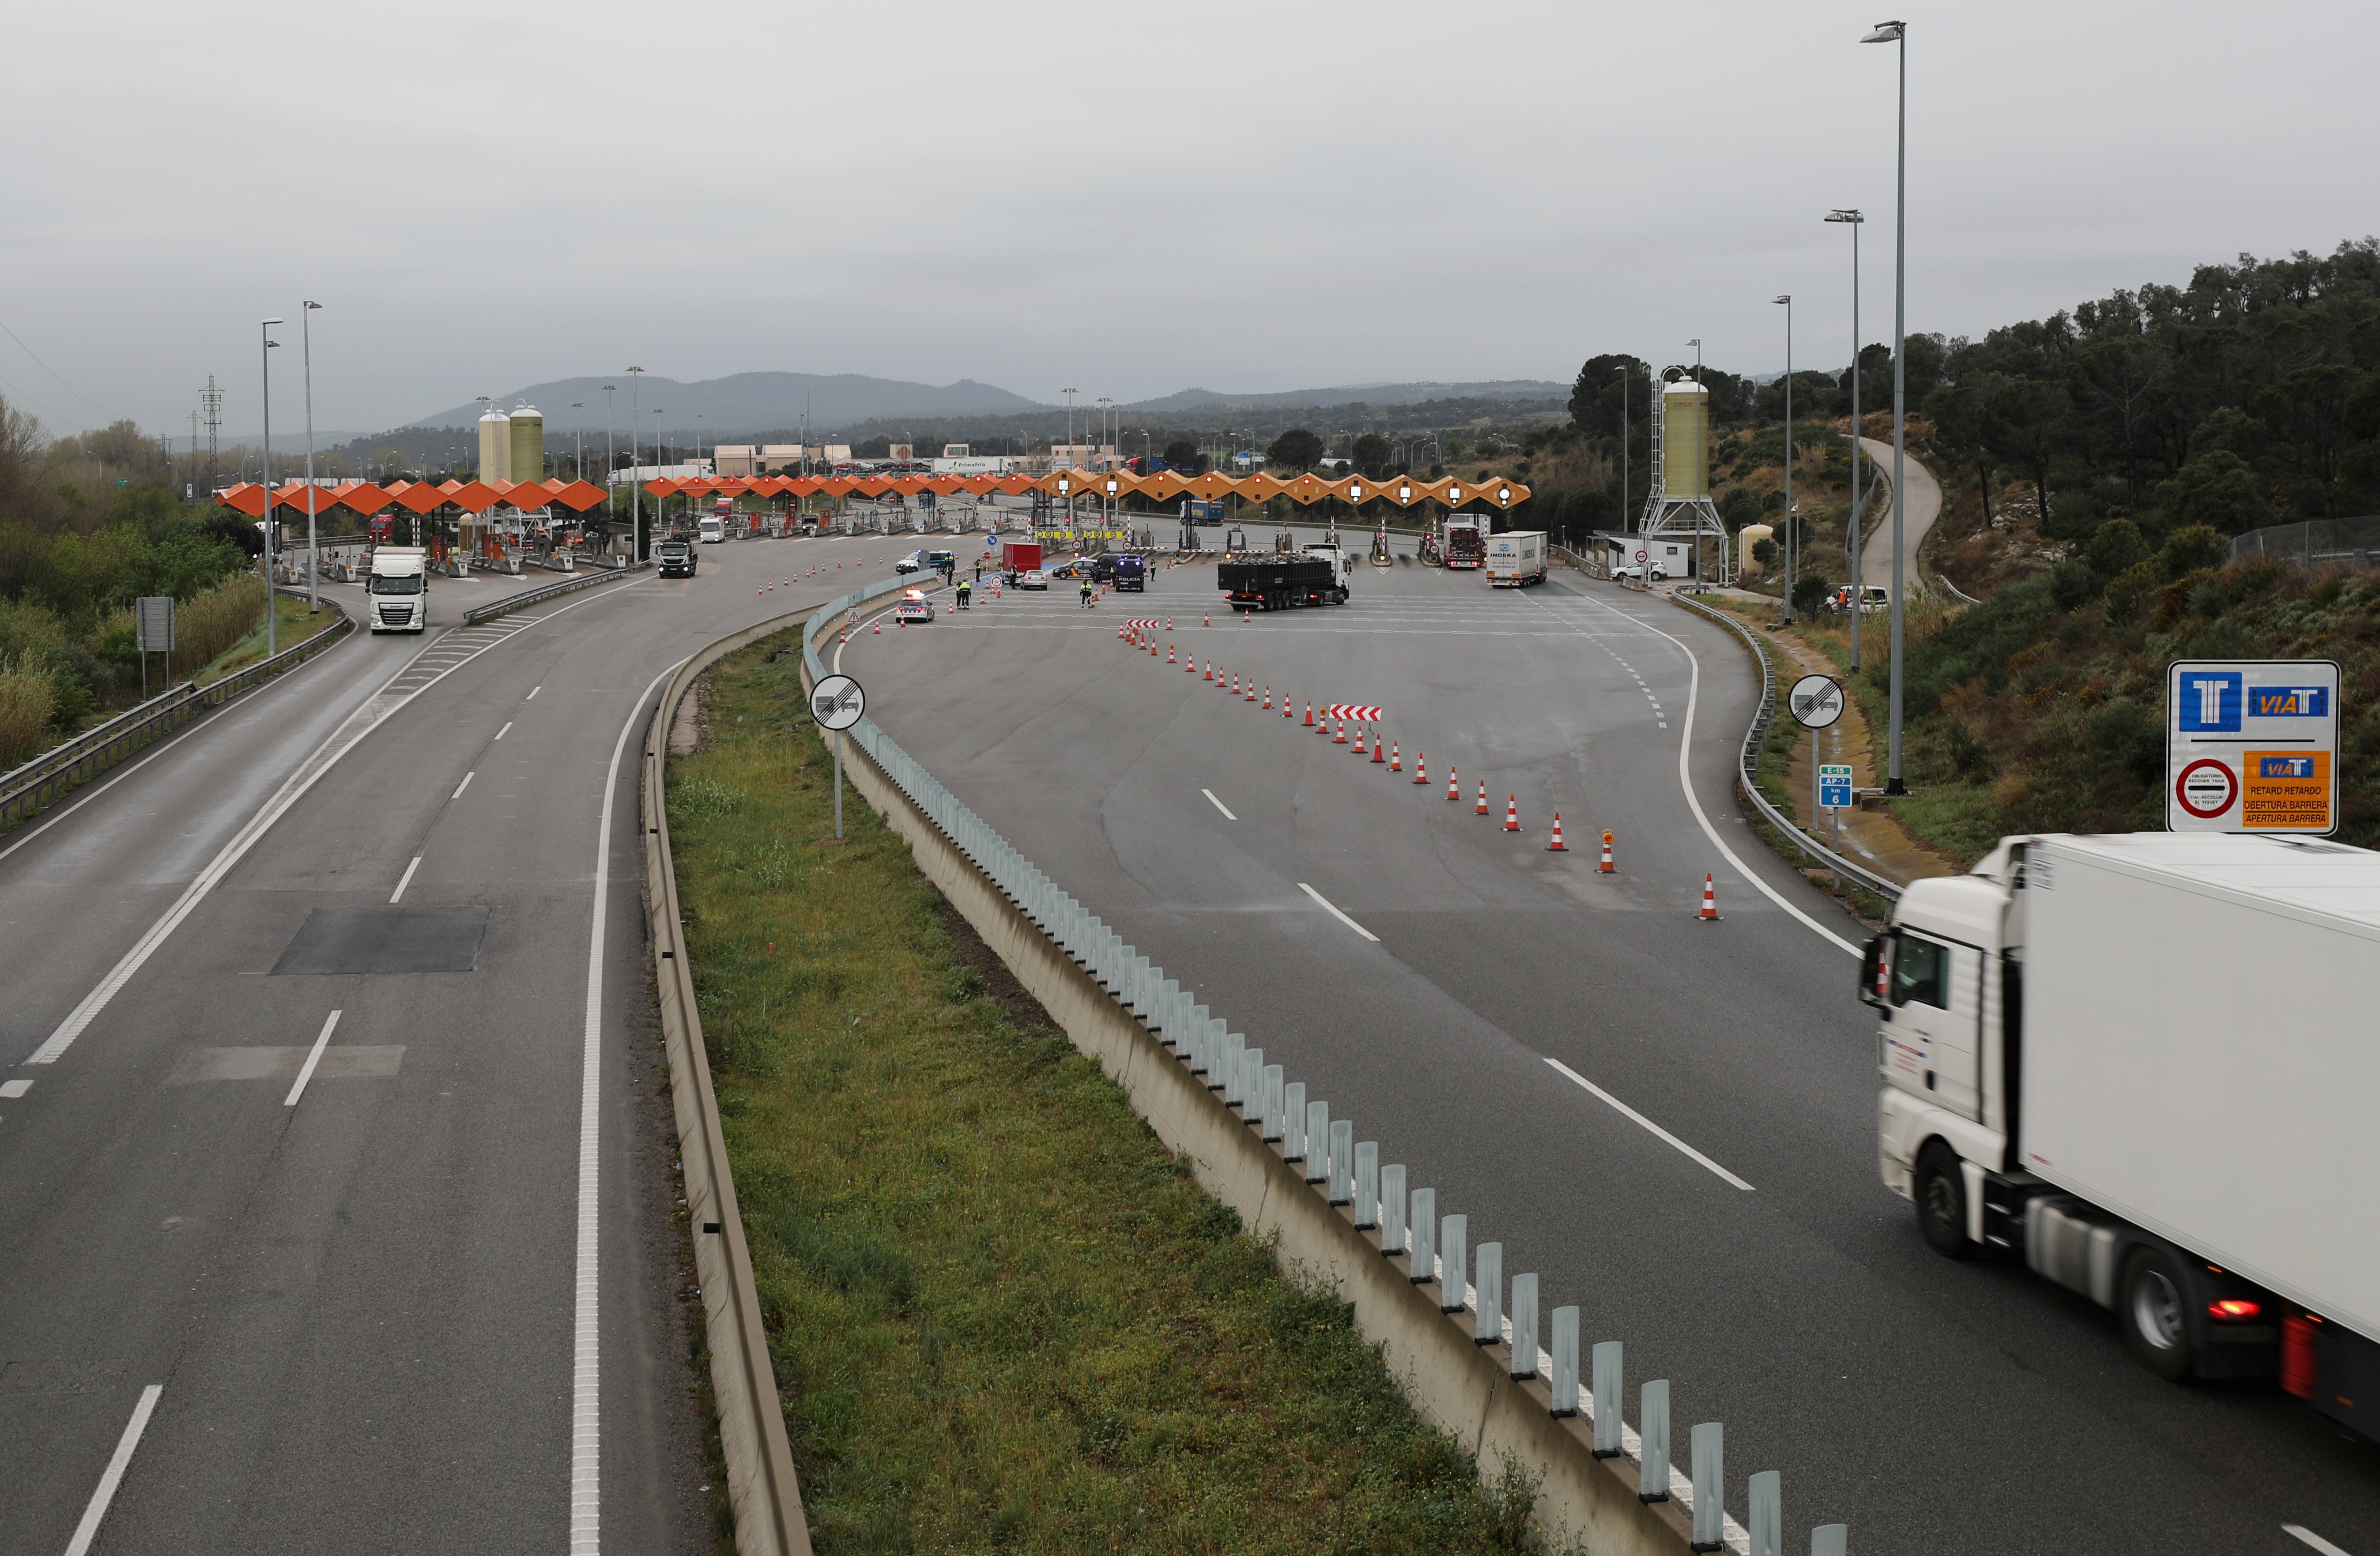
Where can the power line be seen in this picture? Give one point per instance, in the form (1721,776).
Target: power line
(54,373)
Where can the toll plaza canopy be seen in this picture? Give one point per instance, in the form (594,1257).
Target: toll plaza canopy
(366,497)
(1165,486)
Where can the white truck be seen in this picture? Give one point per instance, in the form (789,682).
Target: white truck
(711,530)
(398,585)
(2144,1064)
(1516,559)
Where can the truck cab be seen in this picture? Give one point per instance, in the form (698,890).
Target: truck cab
(674,557)
(713,530)
(398,587)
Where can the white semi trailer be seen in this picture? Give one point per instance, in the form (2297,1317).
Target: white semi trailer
(398,586)
(2147,1064)
(1516,559)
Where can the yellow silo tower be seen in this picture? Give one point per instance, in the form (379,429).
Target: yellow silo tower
(495,445)
(1680,502)
(1686,440)
(528,444)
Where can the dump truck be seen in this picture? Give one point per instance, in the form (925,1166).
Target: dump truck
(2142,1065)
(1278,583)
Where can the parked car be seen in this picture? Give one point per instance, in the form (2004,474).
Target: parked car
(1036,578)
(911,563)
(1636,570)
(1873,598)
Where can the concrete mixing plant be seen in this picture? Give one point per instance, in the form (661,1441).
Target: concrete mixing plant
(1679,502)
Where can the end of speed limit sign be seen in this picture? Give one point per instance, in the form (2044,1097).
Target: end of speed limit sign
(1815,700)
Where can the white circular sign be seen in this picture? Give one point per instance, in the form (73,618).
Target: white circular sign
(2207,788)
(1815,700)
(838,702)
(1640,557)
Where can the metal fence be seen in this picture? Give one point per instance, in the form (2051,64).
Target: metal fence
(2355,542)
(546,592)
(1348,1172)
(48,777)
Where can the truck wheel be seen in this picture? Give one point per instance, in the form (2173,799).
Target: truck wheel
(1941,1195)
(2151,1309)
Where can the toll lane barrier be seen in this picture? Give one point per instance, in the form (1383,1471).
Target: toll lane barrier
(1468,1356)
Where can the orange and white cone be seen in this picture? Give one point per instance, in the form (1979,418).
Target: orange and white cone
(1511,812)
(1169,654)
(1483,799)
(1341,738)
(1252,691)
(1421,768)
(1710,903)
(1169,624)
(1268,699)
(1287,710)
(1245,618)
(1206,621)
(1376,759)
(1359,740)
(1606,867)
(1454,783)
(1309,713)
(1396,759)
(1152,648)
(1210,669)
(1556,845)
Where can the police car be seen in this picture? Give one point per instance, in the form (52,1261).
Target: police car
(913,606)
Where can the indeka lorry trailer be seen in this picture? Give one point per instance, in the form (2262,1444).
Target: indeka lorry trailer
(1516,559)
(2146,1064)
(399,586)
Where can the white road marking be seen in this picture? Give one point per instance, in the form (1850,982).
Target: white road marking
(461,787)
(313,1057)
(1648,1123)
(1333,911)
(87,1530)
(2302,1532)
(15,1089)
(1219,806)
(532,694)
(506,730)
(586,1378)
(403,881)
(361,723)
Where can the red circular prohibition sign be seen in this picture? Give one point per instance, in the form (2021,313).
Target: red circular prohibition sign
(2207,788)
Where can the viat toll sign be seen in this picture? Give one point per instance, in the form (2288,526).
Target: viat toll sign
(2251,745)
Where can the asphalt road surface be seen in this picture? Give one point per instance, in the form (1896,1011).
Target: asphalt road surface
(425,1294)
(1673,1121)
(1917,518)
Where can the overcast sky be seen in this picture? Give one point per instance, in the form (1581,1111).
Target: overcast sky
(1129,200)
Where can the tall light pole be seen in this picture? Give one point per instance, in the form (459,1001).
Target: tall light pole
(611,452)
(265,331)
(1897,32)
(1623,447)
(1069,422)
(1788,301)
(635,469)
(1852,563)
(314,557)
(578,430)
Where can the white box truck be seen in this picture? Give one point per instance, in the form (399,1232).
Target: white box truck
(2147,1065)
(399,586)
(1516,558)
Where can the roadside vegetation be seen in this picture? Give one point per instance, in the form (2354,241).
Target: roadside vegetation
(88,525)
(1001,1314)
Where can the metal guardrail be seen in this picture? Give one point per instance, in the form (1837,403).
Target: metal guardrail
(2353,541)
(510,603)
(1748,768)
(50,776)
(1469,1270)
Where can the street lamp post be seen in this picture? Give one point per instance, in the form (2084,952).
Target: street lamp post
(1069,422)
(1788,301)
(1852,218)
(313,556)
(1622,371)
(610,453)
(636,468)
(1897,32)
(264,331)
(579,431)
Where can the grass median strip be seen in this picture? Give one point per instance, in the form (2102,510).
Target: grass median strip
(1001,1314)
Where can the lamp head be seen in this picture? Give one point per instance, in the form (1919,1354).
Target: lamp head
(1885,33)
(1786,300)
(276,321)
(314,307)
(1845,216)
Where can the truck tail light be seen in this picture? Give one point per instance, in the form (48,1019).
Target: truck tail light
(2234,1309)
(2301,1334)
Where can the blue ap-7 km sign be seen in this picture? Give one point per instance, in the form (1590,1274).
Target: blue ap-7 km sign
(2251,745)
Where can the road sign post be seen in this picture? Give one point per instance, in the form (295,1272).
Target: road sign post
(154,631)
(1816,702)
(2251,745)
(839,704)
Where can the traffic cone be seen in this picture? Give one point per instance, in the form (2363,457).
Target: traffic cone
(1169,624)
(1606,868)
(1169,654)
(1454,782)
(1210,669)
(1359,740)
(1511,812)
(1252,691)
(1309,713)
(1152,648)
(1206,621)
(1421,768)
(1288,709)
(1483,799)
(1556,845)
(1377,760)
(1709,914)
(1268,699)
(1341,738)
(1245,618)
(1396,760)
(879,627)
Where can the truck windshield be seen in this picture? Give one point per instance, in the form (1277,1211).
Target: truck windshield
(405,583)
(1918,973)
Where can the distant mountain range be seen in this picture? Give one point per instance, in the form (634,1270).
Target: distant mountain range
(1362,394)
(747,402)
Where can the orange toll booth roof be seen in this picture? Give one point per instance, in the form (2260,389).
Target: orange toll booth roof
(363,497)
(477,497)
(580,495)
(1016,484)
(247,497)
(420,497)
(980,485)
(661,487)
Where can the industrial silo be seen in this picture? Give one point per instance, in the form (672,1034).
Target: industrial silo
(495,445)
(528,444)
(1685,440)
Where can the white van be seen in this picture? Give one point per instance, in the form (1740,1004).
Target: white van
(710,530)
